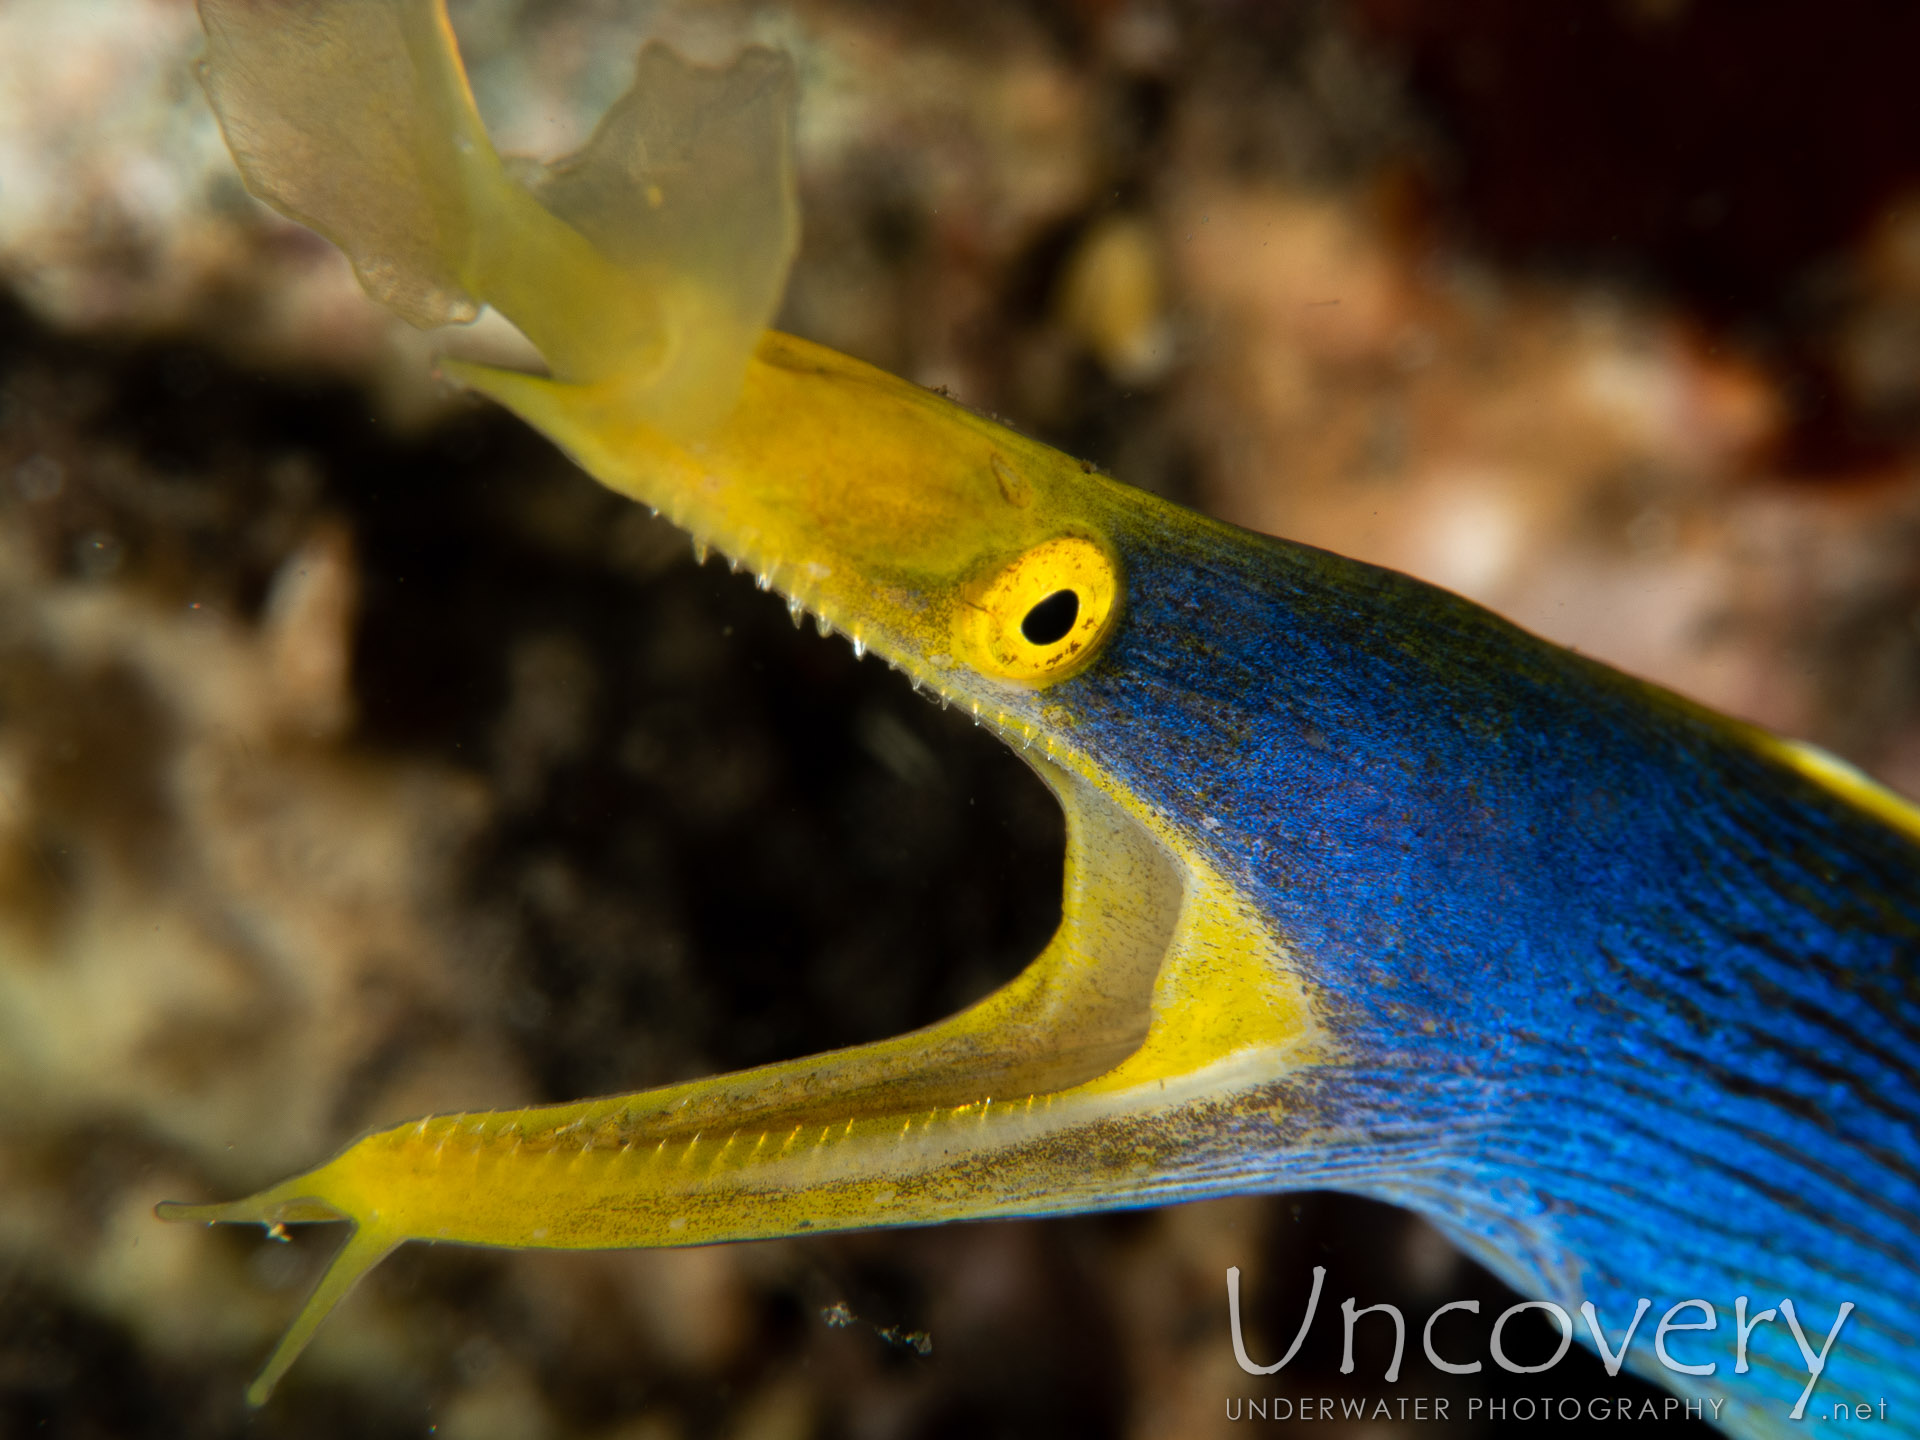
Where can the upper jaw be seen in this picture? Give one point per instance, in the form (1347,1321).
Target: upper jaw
(868,503)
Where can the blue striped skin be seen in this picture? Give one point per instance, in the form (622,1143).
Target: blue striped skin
(1629,1008)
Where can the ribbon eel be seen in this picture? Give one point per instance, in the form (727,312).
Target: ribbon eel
(1366,888)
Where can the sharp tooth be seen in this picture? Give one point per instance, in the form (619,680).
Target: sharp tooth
(796,612)
(763,580)
(699,552)
(859,647)
(823,625)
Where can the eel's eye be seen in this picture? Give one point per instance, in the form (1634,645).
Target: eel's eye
(1044,615)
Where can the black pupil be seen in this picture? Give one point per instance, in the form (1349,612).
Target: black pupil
(1052,618)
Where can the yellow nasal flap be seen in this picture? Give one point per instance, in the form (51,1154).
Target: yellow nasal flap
(649,262)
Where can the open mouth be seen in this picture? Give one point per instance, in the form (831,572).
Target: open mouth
(1111,1071)
(1077,1012)
(1154,995)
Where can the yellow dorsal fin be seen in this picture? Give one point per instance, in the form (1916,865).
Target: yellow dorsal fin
(1854,784)
(650,261)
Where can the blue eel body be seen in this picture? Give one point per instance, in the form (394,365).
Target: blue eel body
(1615,983)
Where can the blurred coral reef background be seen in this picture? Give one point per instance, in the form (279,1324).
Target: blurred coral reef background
(358,758)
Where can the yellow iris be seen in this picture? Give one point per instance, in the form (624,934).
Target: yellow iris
(1042,617)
